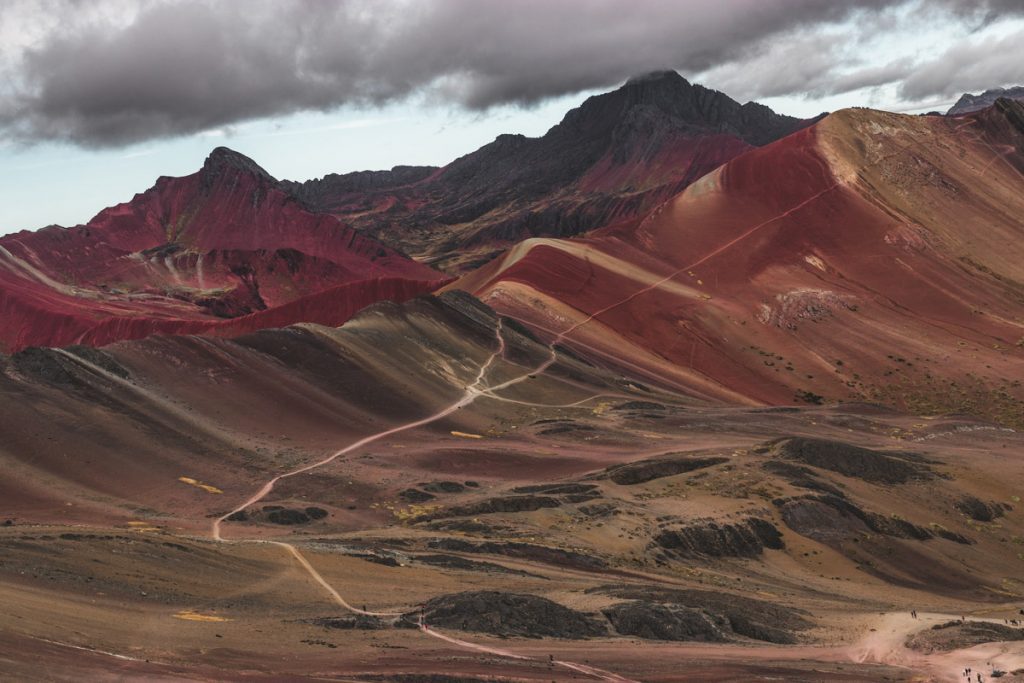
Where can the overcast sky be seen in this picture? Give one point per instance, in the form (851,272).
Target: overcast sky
(99,97)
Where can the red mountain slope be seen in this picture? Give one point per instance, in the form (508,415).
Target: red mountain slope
(873,256)
(221,251)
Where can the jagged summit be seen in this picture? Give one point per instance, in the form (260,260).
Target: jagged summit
(970,103)
(609,160)
(224,158)
(679,104)
(655,76)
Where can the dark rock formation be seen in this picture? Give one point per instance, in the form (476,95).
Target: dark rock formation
(747,538)
(830,519)
(443,487)
(648,470)
(801,477)
(655,621)
(286,516)
(511,615)
(499,504)
(978,510)
(526,551)
(732,615)
(876,467)
(415,496)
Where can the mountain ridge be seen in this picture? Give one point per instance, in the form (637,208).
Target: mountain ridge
(970,103)
(216,252)
(611,159)
(788,273)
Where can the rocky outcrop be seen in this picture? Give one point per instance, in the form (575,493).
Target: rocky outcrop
(876,467)
(278,514)
(511,615)
(443,487)
(649,470)
(653,621)
(685,614)
(746,538)
(499,504)
(415,496)
(980,511)
(525,551)
(830,519)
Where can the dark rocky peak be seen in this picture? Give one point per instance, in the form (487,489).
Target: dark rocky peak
(664,91)
(970,103)
(224,162)
(668,97)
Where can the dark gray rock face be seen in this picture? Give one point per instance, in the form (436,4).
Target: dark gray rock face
(511,614)
(649,470)
(979,510)
(746,538)
(526,551)
(876,467)
(830,519)
(653,621)
(968,102)
(686,614)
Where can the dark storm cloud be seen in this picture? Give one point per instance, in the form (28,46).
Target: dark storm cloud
(969,67)
(176,67)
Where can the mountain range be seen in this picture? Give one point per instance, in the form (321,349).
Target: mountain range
(610,160)
(970,103)
(681,390)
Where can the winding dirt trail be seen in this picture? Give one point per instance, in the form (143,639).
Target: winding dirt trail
(471,393)
(885,644)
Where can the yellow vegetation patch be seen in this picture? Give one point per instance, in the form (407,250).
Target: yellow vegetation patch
(412,511)
(142,526)
(198,484)
(191,615)
(466,435)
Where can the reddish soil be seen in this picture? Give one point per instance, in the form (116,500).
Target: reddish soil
(831,265)
(223,251)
